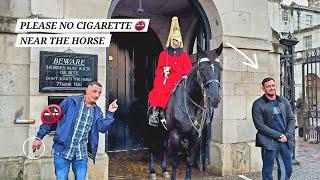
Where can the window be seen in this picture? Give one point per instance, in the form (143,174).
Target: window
(307,41)
(309,20)
(285,16)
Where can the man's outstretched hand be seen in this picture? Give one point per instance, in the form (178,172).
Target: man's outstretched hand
(36,145)
(113,106)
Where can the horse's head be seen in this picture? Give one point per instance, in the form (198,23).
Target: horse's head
(208,76)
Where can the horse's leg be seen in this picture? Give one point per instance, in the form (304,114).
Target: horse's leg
(206,134)
(205,139)
(164,169)
(174,164)
(203,149)
(175,142)
(190,160)
(152,172)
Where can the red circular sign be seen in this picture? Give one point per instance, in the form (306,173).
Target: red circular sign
(51,114)
(140,25)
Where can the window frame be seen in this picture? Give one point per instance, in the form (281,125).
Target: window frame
(307,42)
(308,21)
(285,16)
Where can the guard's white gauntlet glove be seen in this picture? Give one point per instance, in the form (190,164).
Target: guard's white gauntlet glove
(166,71)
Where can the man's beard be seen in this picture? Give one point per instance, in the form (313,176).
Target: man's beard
(271,94)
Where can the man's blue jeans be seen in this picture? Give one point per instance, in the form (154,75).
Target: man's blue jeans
(283,155)
(62,166)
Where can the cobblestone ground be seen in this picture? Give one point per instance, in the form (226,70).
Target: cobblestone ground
(307,154)
(133,167)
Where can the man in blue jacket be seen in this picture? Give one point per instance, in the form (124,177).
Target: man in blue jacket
(77,133)
(273,117)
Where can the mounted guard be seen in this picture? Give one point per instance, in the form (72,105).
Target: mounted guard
(187,113)
(173,64)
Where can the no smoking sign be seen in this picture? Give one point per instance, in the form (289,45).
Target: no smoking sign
(51,114)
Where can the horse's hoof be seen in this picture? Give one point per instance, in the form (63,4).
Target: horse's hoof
(166,175)
(201,167)
(153,176)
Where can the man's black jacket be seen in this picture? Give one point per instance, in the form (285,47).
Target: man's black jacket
(262,114)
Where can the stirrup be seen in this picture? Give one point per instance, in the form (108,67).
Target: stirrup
(153,119)
(153,124)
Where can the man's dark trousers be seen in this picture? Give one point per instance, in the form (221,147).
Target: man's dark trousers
(283,155)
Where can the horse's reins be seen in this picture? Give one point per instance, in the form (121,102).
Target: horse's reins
(205,107)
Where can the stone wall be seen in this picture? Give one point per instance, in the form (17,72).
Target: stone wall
(232,148)
(243,23)
(19,90)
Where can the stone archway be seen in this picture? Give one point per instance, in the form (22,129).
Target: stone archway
(190,13)
(206,9)
(209,12)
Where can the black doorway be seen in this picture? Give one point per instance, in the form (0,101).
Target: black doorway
(130,74)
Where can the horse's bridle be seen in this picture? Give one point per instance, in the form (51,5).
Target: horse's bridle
(203,85)
(205,109)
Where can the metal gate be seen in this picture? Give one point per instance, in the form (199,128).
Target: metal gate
(287,70)
(311,95)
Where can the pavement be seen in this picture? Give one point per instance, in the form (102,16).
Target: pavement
(130,166)
(307,154)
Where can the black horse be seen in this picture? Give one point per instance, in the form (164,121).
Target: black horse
(187,112)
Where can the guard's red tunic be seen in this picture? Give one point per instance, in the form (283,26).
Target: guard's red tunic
(179,65)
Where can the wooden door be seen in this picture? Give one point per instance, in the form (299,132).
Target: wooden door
(130,76)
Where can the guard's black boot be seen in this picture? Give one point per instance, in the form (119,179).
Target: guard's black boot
(153,118)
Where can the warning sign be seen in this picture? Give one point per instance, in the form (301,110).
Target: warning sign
(51,114)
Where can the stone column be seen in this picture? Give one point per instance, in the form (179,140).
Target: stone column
(14,96)
(246,26)
(19,90)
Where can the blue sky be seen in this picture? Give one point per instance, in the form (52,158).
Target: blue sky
(300,2)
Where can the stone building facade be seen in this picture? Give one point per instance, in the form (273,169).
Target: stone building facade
(314,3)
(243,23)
(303,22)
(293,17)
